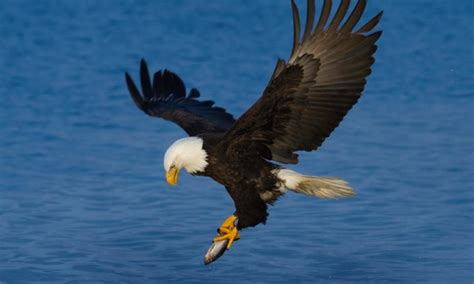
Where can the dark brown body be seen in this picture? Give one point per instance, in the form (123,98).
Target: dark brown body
(247,177)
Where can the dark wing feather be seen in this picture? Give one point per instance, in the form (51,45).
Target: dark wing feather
(166,98)
(308,96)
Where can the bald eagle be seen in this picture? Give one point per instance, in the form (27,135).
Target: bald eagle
(305,100)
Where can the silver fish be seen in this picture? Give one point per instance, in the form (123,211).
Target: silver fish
(215,251)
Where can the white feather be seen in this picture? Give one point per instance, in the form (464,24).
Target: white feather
(186,153)
(323,187)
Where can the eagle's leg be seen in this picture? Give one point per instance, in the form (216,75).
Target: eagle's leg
(228,231)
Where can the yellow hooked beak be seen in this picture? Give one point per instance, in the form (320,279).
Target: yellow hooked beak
(172,175)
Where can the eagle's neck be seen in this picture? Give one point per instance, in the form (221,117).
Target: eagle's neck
(187,153)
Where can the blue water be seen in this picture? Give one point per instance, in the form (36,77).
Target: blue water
(82,190)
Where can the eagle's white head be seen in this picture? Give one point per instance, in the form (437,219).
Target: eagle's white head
(184,153)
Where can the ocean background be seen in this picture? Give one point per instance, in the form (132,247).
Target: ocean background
(83,197)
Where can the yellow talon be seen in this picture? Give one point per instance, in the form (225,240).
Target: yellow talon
(228,231)
(223,231)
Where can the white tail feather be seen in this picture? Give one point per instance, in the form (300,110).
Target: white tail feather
(322,187)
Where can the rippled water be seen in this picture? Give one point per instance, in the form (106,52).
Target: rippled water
(82,190)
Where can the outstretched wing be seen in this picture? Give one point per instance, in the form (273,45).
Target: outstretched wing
(167,99)
(308,96)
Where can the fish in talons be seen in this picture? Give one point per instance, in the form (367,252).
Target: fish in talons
(226,235)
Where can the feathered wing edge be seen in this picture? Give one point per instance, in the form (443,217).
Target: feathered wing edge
(166,98)
(331,63)
(306,43)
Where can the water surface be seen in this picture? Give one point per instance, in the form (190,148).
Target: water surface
(82,190)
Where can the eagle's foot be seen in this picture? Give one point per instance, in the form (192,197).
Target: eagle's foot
(228,231)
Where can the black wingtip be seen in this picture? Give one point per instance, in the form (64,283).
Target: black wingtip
(354,17)
(145,80)
(340,14)
(134,93)
(379,16)
(310,11)
(375,36)
(166,83)
(194,93)
(296,27)
(371,23)
(324,16)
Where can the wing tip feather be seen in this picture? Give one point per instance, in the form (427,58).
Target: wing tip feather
(371,24)
(296,27)
(134,93)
